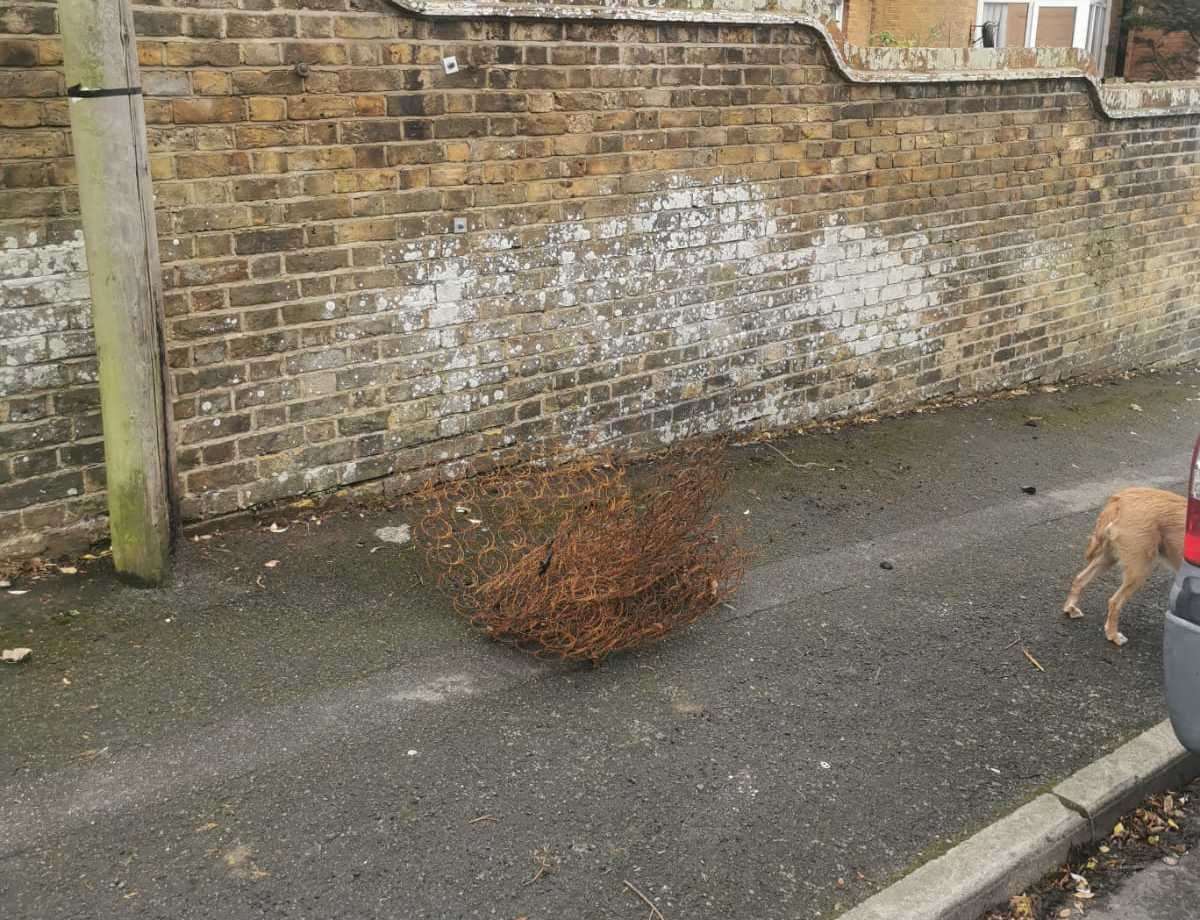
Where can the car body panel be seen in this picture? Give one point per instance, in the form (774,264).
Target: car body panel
(1181,656)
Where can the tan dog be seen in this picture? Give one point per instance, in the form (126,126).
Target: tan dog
(1136,526)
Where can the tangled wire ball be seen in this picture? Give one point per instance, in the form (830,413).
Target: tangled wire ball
(574,561)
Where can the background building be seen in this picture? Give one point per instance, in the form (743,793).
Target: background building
(1093,25)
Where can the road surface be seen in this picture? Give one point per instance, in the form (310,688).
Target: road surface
(321,738)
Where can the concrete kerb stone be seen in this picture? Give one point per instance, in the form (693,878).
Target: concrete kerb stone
(1103,791)
(1010,854)
(983,870)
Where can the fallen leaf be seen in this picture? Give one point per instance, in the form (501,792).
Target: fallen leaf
(1022,907)
(1152,840)
(1135,407)
(240,863)
(68,569)
(271,564)
(15,655)
(1118,829)
(18,592)
(275,528)
(303,503)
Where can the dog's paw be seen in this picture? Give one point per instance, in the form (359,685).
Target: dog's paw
(1072,611)
(1117,640)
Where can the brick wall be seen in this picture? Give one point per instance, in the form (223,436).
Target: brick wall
(926,23)
(51,453)
(1153,55)
(668,227)
(857,24)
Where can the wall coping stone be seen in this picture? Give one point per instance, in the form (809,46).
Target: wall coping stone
(872,64)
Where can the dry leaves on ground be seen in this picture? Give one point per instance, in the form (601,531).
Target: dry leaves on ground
(1151,832)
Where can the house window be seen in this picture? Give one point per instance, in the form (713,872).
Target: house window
(1011,21)
(839,12)
(1097,31)
(1055,27)
(1051,24)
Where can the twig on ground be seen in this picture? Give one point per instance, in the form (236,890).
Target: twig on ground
(483,818)
(799,466)
(1011,644)
(546,862)
(654,911)
(1033,660)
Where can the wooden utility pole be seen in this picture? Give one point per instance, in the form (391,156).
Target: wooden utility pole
(108,131)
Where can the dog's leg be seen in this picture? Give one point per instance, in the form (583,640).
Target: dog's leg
(1098,566)
(1136,571)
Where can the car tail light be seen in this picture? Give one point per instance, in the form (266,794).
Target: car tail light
(1191,540)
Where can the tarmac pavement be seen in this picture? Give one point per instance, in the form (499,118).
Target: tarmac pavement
(1159,892)
(321,738)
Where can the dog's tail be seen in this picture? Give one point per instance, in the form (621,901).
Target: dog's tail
(1108,517)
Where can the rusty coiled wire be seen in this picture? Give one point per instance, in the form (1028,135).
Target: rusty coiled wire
(575,561)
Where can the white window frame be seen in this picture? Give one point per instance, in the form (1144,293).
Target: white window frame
(1083,14)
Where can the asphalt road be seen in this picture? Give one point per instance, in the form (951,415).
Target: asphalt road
(320,738)
(1159,892)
